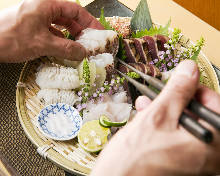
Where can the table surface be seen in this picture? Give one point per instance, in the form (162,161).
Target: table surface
(161,11)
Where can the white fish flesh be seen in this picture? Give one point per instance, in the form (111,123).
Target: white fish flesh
(51,96)
(57,77)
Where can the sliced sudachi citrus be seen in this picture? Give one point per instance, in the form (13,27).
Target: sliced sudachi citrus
(92,136)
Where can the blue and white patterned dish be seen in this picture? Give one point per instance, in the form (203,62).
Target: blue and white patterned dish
(59,121)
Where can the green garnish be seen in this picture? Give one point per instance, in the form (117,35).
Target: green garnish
(104,22)
(86,71)
(133,75)
(153,31)
(141,19)
(121,51)
(175,36)
(197,48)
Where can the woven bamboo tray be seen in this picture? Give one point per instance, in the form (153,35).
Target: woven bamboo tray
(68,154)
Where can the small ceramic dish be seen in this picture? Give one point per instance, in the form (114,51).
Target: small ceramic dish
(59,121)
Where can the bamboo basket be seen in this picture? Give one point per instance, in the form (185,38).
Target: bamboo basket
(68,154)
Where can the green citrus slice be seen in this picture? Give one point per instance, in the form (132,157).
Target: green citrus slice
(92,136)
(105,122)
(102,123)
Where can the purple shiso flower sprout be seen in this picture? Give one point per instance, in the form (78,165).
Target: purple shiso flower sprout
(80,93)
(167,59)
(176,60)
(168,52)
(79,107)
(151,63)
(169,64)
(86,94)
(161,53)
(176,64)
(165,69)
(162,57)
(155,61)
(94,95)
(102,89)
(84,105)
(166,45)
(106,83)
(170,56)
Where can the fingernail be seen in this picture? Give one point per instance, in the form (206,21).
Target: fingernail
(186,68)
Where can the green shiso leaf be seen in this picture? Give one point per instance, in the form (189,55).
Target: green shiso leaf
(103,21)
(107,26)
(133,75)
(141,19)
(153,31)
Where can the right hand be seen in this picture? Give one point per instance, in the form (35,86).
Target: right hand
(154,143)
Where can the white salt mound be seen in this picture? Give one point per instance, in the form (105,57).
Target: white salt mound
(52,77)
(60,124)
(52,96)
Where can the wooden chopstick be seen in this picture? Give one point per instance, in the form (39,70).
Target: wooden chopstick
(203,112)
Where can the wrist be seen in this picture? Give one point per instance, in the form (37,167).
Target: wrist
(8,42)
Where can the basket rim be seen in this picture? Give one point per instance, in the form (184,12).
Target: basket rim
(30,132)
(54,156)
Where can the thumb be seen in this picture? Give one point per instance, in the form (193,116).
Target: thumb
(62,48)
(171,102)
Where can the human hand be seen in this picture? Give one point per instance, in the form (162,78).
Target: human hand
(26,31)
(154,144)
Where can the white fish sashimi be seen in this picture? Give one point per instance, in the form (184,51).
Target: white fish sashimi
(51,96)
(95,112)
(120,97)
(119,111)
(102,60)
(116,110)
(99,41)
(52,77)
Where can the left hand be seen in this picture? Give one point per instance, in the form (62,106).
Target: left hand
(26,31)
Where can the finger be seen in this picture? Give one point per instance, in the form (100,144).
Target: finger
(72,26)
(62,48)
(142,102)
(168,106)
(71,10)
(208,98)
(56,32)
